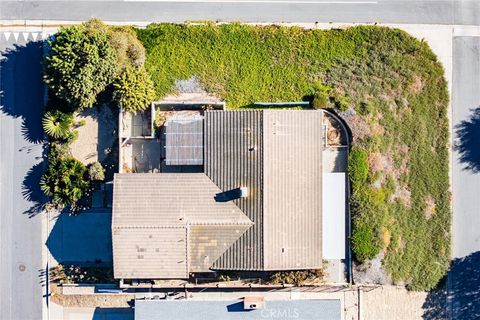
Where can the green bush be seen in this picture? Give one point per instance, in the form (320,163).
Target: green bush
(358,167)
(134,89)
(365,244)
(57,124)
(342,103)
(130,51)
(65,180)
(320,100)
(96,172)
(80,65)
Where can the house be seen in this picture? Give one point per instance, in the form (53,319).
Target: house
(302,309)
(255,204)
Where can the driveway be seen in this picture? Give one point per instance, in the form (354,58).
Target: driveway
(82,239)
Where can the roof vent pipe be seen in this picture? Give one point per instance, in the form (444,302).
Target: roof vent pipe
(243,192)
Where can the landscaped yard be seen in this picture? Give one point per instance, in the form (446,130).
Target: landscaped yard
(390,89)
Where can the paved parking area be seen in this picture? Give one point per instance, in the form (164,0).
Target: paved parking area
(82,239)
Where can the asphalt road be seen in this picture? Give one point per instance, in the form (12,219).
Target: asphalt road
(21,99)
(465,12)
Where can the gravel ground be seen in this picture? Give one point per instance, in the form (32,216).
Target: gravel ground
(392,303)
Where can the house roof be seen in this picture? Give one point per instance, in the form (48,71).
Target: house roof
(154,216)
(277,154)
(307,309)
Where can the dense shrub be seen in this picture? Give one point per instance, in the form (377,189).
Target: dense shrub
(134,89)
(358,167)
(365,244)
(65,180)
(130,51)
(96,171)
(320,100)
(80,64)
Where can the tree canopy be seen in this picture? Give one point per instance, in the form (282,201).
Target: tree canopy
(134,89)
(80,65)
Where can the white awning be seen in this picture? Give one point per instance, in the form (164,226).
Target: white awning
(334,215)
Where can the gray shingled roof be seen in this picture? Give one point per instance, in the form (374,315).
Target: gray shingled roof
(169,224)
(154,217)
(277,154)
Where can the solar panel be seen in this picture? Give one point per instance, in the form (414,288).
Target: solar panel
(184,140)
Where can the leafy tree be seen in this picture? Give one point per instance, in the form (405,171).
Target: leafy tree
(130,51)
(123,39)
(134,89)
(80,65)
(57,124)
(65,180)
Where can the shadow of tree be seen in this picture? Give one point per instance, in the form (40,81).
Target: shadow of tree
(22,88)
(467,135)
(22,97)
(31,190)
(457,297)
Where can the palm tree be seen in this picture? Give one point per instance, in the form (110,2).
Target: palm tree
(57,124)
(65,180)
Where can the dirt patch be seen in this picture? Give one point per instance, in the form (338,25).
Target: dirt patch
(97,134)
(375,162)
(430,207)
(335,132)
(90,300)
(372,272)
(359,127)
(417,85)
(393,303)
(377,129)
(404,195)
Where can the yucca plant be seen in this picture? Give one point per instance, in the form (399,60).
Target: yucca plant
(57,124)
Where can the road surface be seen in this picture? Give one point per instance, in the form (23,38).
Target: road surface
(21,99)
(466,12)
(464,276)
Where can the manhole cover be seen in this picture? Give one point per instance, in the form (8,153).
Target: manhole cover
(21,267)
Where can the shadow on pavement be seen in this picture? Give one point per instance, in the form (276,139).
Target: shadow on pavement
(466,139)
(22,97)
(31,190)
(459,296)
(22,88)
(82,240)
(113,313)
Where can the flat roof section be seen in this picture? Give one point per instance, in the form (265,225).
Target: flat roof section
(234,310)
(334,215)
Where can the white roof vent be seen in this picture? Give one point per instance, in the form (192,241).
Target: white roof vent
(253,303)
(243,192)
